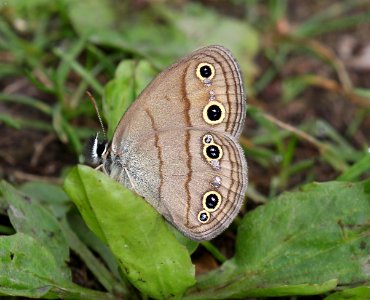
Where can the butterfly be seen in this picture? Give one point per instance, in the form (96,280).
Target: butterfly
(177,144)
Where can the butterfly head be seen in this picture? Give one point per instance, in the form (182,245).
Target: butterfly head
(96,151)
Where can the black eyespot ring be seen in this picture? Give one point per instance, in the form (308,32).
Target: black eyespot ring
(213,152)
(211,201)
(214,113)
(205,71)
(203,216)
(207,139)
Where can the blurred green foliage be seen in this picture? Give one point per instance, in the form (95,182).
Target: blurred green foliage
(113,49)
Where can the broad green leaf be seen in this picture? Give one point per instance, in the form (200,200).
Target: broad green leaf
(130,79)
(37,222)
(29,217)
(147,251)
(90,16)
(302,243)
(358,293)
(28,269)
(75,187)
(203,26)
(48,195)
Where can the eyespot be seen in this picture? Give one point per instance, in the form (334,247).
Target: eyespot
(213,151)
(211,201)
(205,71)
(214,113)
(203,216)
(207,139)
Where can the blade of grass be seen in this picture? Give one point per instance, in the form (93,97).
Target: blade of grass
(79,69)
(354,172)
(29,101)
(334,21)
(323,52)
(9,121)
(214,251)
(256,196)
(101,273)
(65,66)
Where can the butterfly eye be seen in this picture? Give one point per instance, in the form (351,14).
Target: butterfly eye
(95,150)
(203,216)
(205,71)
(211,201)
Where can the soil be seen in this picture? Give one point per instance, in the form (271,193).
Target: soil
(31,154)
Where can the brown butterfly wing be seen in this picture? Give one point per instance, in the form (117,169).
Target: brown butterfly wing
(158,148)
(170,171)
(177,97)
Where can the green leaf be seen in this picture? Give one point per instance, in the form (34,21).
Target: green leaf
(54,198)
(359,293)
(29,217)
(27,268)
(48,195)
(33,261)
(147,251)
(301,243)
(130,79)
(90,16)
(199,24)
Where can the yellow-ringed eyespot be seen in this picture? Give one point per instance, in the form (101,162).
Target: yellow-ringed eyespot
(203,216)
(205,71)
(214,113)
(212,152)
(211,201)
(207,139)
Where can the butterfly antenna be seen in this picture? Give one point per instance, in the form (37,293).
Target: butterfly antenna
(92,99)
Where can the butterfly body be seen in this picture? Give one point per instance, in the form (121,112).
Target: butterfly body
(177,145)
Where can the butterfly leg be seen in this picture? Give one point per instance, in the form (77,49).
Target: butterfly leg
(131,181)
(101,166)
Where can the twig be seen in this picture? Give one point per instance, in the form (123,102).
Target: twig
(301,134)
(40,147)
(332,85)
(327,54)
